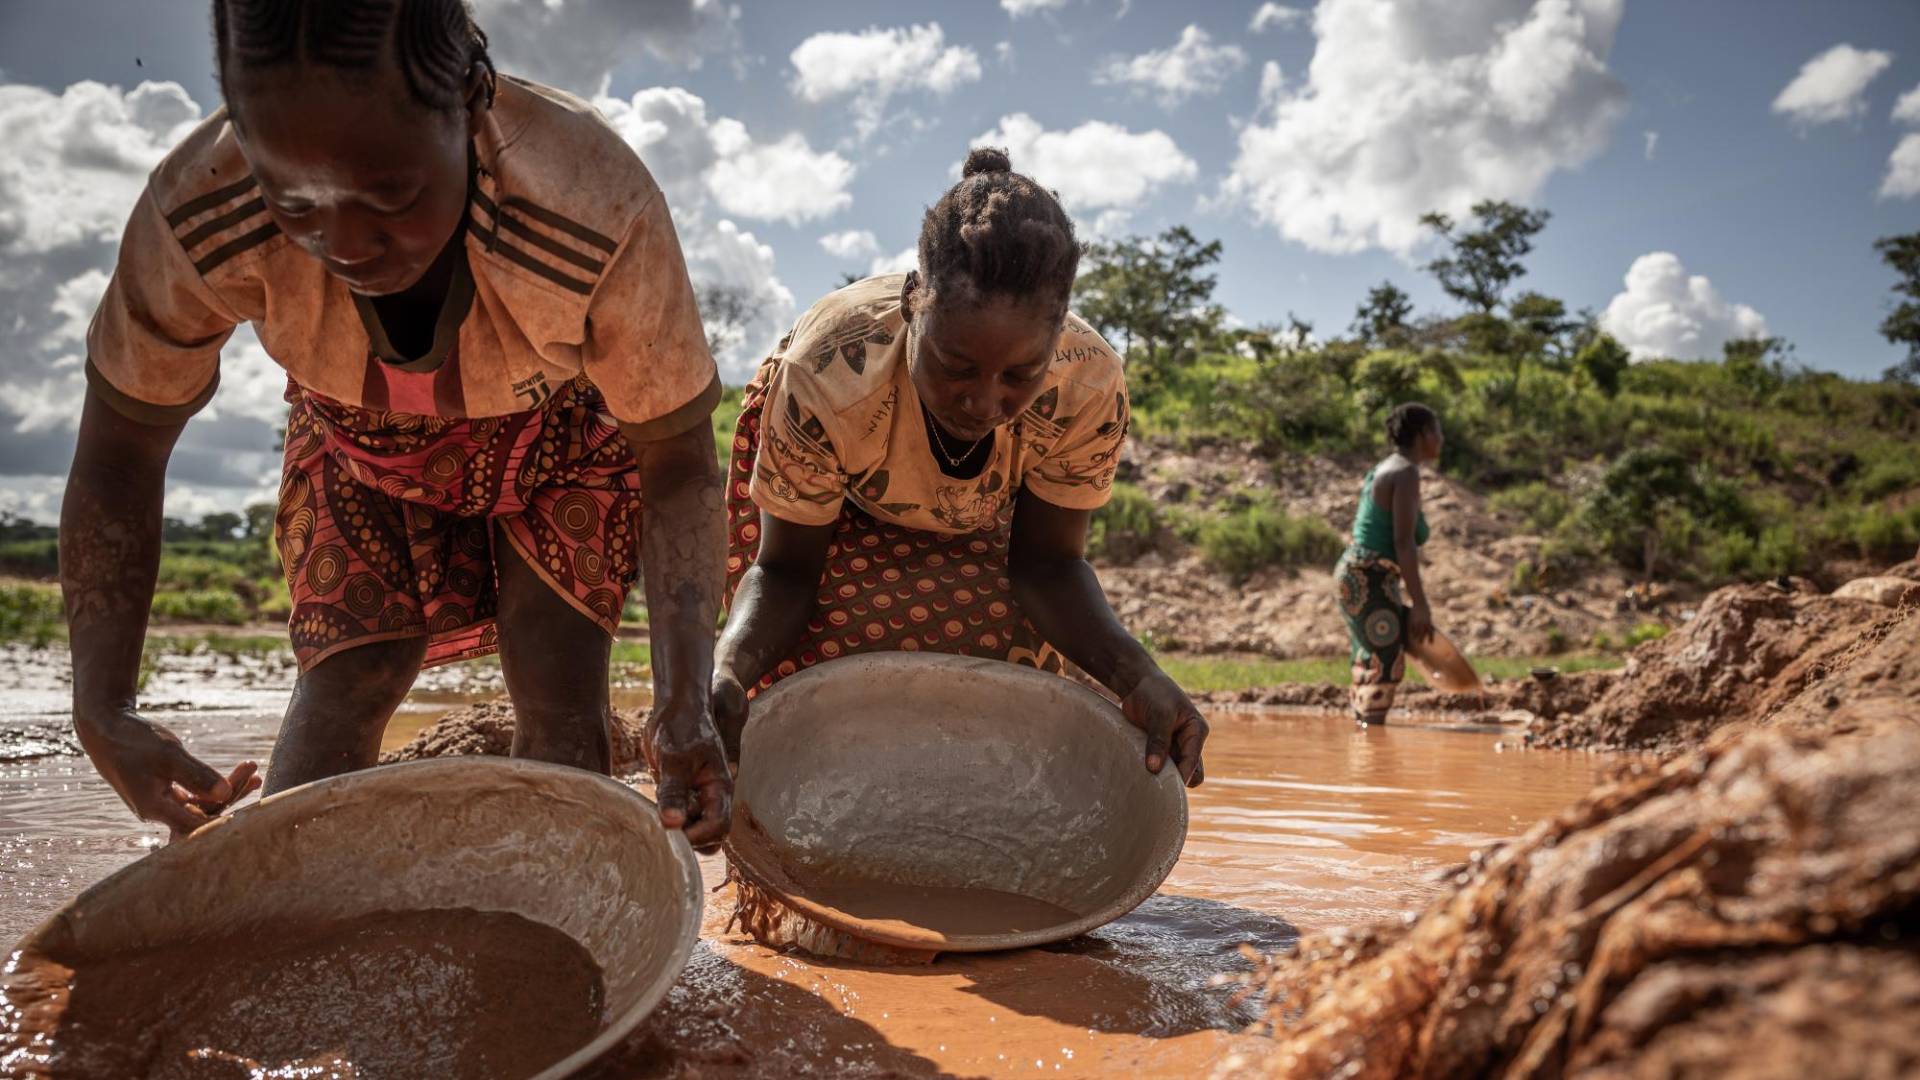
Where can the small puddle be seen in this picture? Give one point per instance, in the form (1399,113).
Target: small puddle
(1304,823)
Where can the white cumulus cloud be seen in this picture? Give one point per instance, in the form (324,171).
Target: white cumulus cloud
(1412,107)
(1832,86)
(576,44)
(897,263)
(1666,312)
(875,64)
(1018,8)
(1192,66)
(784,180)
(1269,15)
(1095,165)
(1907,109)
(1903,170)
(706,166)
(851,244)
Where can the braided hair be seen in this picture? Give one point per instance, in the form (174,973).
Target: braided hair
(435,42)
(997,233)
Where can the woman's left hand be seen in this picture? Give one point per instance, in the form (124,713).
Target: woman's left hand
(695,789)
(1173,725)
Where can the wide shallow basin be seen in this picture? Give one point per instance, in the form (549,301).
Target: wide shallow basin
(949,804)
(564,848)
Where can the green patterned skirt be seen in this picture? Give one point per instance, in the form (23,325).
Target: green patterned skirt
(1373,601)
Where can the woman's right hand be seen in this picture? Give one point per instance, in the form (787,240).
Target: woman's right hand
(155,776)
(1420,623)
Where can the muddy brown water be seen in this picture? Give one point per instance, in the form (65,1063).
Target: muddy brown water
(1304,823)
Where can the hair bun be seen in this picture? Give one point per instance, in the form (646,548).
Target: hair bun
(986,159)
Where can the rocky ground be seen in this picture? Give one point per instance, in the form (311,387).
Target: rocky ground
(1171,596)
(1748,907)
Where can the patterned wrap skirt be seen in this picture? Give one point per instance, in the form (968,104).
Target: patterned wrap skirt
(885,587)
(386,520)
(1373,601)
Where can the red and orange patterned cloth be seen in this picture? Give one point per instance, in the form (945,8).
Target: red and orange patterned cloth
(887,587)
(386,522)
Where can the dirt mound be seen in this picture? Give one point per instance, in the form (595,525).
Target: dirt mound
(1748,650)
(1749,909)
(487,728)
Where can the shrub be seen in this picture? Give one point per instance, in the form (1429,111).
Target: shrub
(1261,535)
(1126,528)
(1540,505)
(31,613)
(1879,532)
(30,558)
(221,606)
(1643,633)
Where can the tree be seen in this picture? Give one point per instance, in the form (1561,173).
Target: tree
(260,520)
(725,313)
(221,525)
(1645,490)
(1483,262)
(1902,324)
(1604,360)
(1546,331)
(1382,320)
(1152,298)
(1756,364)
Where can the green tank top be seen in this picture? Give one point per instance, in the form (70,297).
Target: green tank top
(1373,526)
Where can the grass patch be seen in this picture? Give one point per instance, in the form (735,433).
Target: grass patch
(31,612)
(1199,674)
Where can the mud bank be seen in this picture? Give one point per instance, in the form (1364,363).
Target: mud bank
(487,728)
(1750,908)
(1746,654)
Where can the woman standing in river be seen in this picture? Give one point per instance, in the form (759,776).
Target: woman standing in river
(492,351)
(1380,570)
(916,466)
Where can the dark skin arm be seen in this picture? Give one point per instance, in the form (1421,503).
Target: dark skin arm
(770,611)
(1405,485)
(109,558)
(1058,591)
(682,553)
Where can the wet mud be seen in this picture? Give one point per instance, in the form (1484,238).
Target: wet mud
(397,994)
(1306,825)
(1750,908)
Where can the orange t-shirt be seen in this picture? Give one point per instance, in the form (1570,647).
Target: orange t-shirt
(842,421)
(572,267)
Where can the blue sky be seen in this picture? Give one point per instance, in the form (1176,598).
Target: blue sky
(1144,115)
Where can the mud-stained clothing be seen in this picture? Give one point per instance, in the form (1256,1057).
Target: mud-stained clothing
(1373,602)
(386,520)
(569,313)
(831,432)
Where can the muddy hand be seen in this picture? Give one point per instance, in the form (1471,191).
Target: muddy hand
(695,790)
(1174,727)
(155,776)
(1420,624)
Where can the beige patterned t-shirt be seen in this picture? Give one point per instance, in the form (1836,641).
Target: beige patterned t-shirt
(842,421)
(571,267)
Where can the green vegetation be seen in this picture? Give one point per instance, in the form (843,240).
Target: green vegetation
(31,612)
(1711,471)
(1261,534)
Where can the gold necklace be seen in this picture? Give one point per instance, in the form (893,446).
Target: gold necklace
(940,439)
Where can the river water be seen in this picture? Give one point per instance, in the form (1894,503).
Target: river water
(1304,824)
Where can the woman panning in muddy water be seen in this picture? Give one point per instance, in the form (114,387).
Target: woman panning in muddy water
(916,465)
(1381,568)
(492,351)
